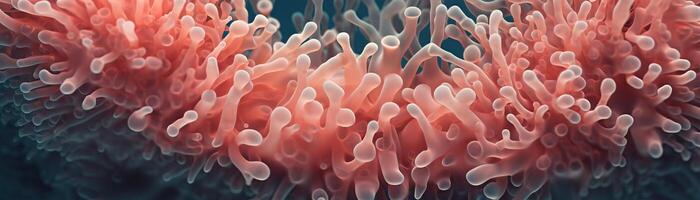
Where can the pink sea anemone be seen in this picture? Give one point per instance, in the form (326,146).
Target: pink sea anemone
(565,90)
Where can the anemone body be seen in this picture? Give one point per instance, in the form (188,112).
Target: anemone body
(539,92)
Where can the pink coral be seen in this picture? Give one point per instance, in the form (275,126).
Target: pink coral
(556,93)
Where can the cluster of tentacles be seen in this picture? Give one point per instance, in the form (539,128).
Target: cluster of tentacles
(539,91)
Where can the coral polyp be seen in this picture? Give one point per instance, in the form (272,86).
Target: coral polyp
(539,95)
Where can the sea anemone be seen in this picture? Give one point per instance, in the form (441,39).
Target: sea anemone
(536,92)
